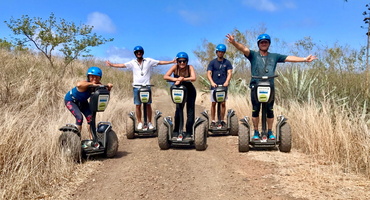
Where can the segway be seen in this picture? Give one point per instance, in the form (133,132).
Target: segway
(232,126)
(104,142)
(265,93)
(167,137)
(145,96)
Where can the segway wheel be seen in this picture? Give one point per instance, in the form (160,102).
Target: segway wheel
(234,125)
(163,140)
(285,144)
(112,144)
(244,138)
(200,139)
(206,122)
(130,129)
(70,145)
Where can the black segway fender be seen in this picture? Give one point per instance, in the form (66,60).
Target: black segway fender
(70,127)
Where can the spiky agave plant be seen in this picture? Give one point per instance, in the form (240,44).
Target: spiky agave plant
(297,84)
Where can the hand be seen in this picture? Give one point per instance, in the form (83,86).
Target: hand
(310,58)
(174,60)
(213,84)
(230,38)
(226,84)
(108,63)
(110,85)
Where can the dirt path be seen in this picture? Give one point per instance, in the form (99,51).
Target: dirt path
(142,171)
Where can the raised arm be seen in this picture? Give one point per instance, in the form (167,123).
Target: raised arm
(238,45)
(115,65)
(309,58)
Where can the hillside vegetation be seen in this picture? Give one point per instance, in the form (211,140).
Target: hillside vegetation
(327,110)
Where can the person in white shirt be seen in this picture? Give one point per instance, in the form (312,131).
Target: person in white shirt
(142,72)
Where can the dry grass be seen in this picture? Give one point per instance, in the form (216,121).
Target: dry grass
(33,110)
(31,97)
(325,130)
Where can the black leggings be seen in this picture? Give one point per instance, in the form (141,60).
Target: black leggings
(256,105)
(79,108)
(190,109)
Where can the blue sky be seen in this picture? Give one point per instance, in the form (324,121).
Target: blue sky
(166,27)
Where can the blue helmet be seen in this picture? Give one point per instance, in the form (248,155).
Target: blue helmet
(221,47)
(263,37)
(182,55)
(94,71)
(139,48)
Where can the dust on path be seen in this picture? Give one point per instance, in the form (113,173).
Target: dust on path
(142,171)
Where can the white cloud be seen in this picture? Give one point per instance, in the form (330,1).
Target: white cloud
(101,22)
(192,17)
(119,55)
(269,5)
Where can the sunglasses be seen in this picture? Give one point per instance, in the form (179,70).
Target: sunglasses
(136,52)
(181,61)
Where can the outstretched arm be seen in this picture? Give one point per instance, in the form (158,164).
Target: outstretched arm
(167,62)
(238,45)
(309,58)
(115,65)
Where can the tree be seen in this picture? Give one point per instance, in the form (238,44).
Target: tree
(367,21)
(5,44)
(52,34)
(208,50)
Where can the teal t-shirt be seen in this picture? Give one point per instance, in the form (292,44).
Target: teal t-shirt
(264,65)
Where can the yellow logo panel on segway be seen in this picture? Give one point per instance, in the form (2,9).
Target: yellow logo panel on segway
(144,97)
(103,102)
(178,96)
(263,94)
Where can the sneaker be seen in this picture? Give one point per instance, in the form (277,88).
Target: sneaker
(223,124)
(213,124)
(140,126)
(256,136)
(150,125)
(271,135)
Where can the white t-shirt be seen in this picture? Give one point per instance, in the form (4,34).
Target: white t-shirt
(143,72)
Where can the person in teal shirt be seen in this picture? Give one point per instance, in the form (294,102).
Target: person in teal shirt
(263,63)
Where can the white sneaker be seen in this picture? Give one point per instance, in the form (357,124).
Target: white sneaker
(140,126)
(150,125)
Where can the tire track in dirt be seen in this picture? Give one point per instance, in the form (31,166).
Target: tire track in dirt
(142,171)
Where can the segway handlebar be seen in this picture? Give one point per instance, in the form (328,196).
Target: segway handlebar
(265,77)
(143,85)
(95,87)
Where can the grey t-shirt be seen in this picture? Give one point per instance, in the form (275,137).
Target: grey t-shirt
(264,65)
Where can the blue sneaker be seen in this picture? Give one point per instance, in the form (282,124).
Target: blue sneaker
(256,135)
(271,135)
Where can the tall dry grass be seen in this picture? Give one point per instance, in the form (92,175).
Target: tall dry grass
(32,109)
(326,130)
